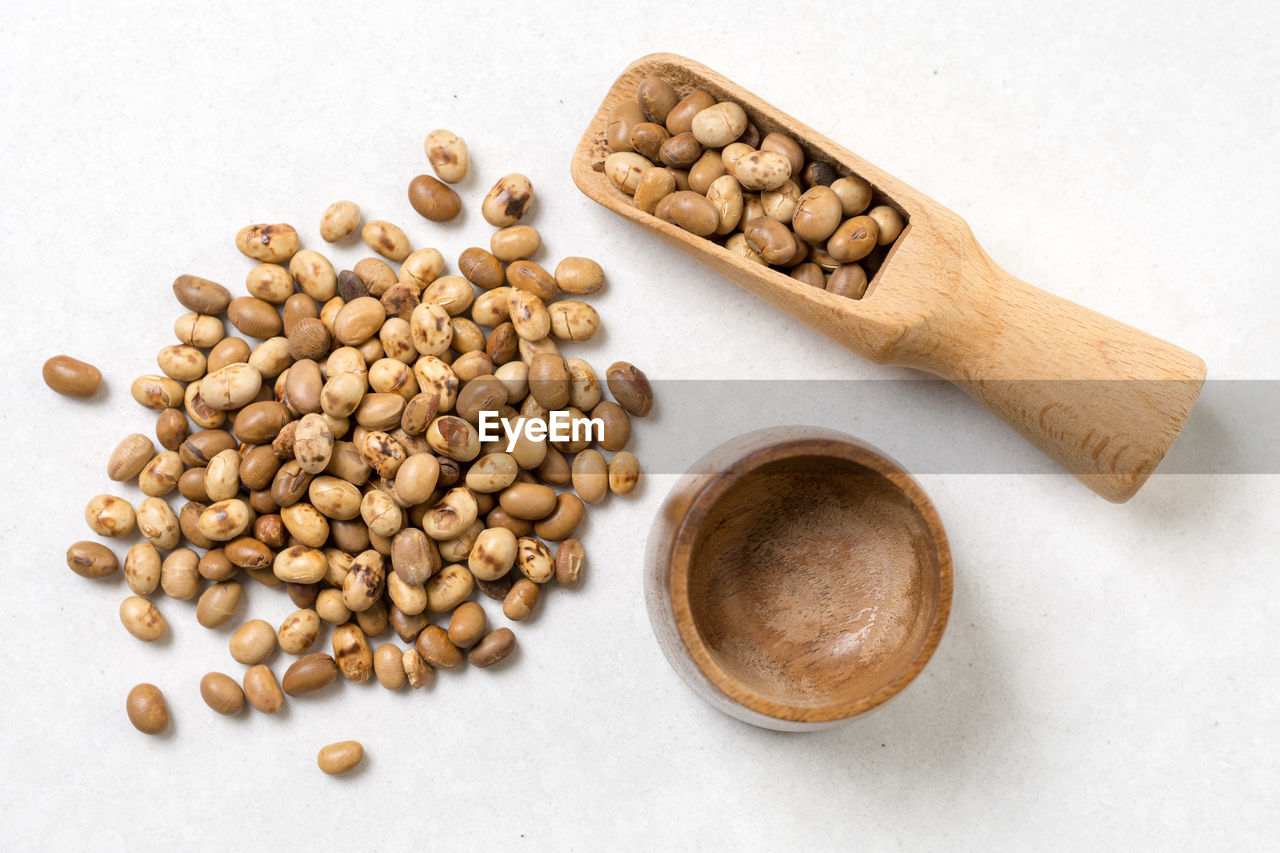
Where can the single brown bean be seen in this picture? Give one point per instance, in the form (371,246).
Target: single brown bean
(199,330)
(339,758)
(201,295)
(630,387)
(433,199)
(494,647)
(513,243)
(261,689)
(848,280)
(309,673)
(172,428)
(810,274)
(771,239)
(656,98)
(579,276)
(817,214)
(436,649)
(147,709)
(218,604)
(521,600)
(647,138)
(255,317)
(622,118)
(569,559)
(253,642)
(72,377)
(693,213)
(681,151)
(718,125)
(221,693)
(448,588)
(563,520)
(854,239)
(680,118)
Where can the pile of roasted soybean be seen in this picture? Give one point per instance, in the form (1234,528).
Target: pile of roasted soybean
(702,165)
(340,457)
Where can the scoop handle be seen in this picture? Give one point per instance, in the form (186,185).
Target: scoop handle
(1102,399)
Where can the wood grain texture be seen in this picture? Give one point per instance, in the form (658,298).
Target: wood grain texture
(796,578)
(1102,399)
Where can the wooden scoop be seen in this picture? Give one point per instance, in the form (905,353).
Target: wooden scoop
(1102,399)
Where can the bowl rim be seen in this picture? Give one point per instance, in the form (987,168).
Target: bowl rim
(751,458)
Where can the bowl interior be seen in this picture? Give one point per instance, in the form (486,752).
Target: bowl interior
(814,583)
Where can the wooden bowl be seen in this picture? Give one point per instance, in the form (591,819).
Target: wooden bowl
(797,577)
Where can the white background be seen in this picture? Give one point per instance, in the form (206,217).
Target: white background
(1109,674)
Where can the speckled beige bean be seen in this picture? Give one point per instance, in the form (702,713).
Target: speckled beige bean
(157,392)
(298,631)
(625,169)
(573,321)
(534,560)
(158,524)
(386,239)
(270,243)
(352,653)
(509,200)
(719,125)
(108,515)
(447,153)
(340,220)
(141,619)
(142,568)
(624,473)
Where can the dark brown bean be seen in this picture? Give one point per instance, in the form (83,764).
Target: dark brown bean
(630,387)
(201,295)
(92,560)
(493,648)
(433,199)
(656,98)
(72,377)
(309,673)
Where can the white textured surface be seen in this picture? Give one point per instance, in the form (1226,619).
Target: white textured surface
(1110,673)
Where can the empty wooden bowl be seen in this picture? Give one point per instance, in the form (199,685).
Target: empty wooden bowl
(797,577)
